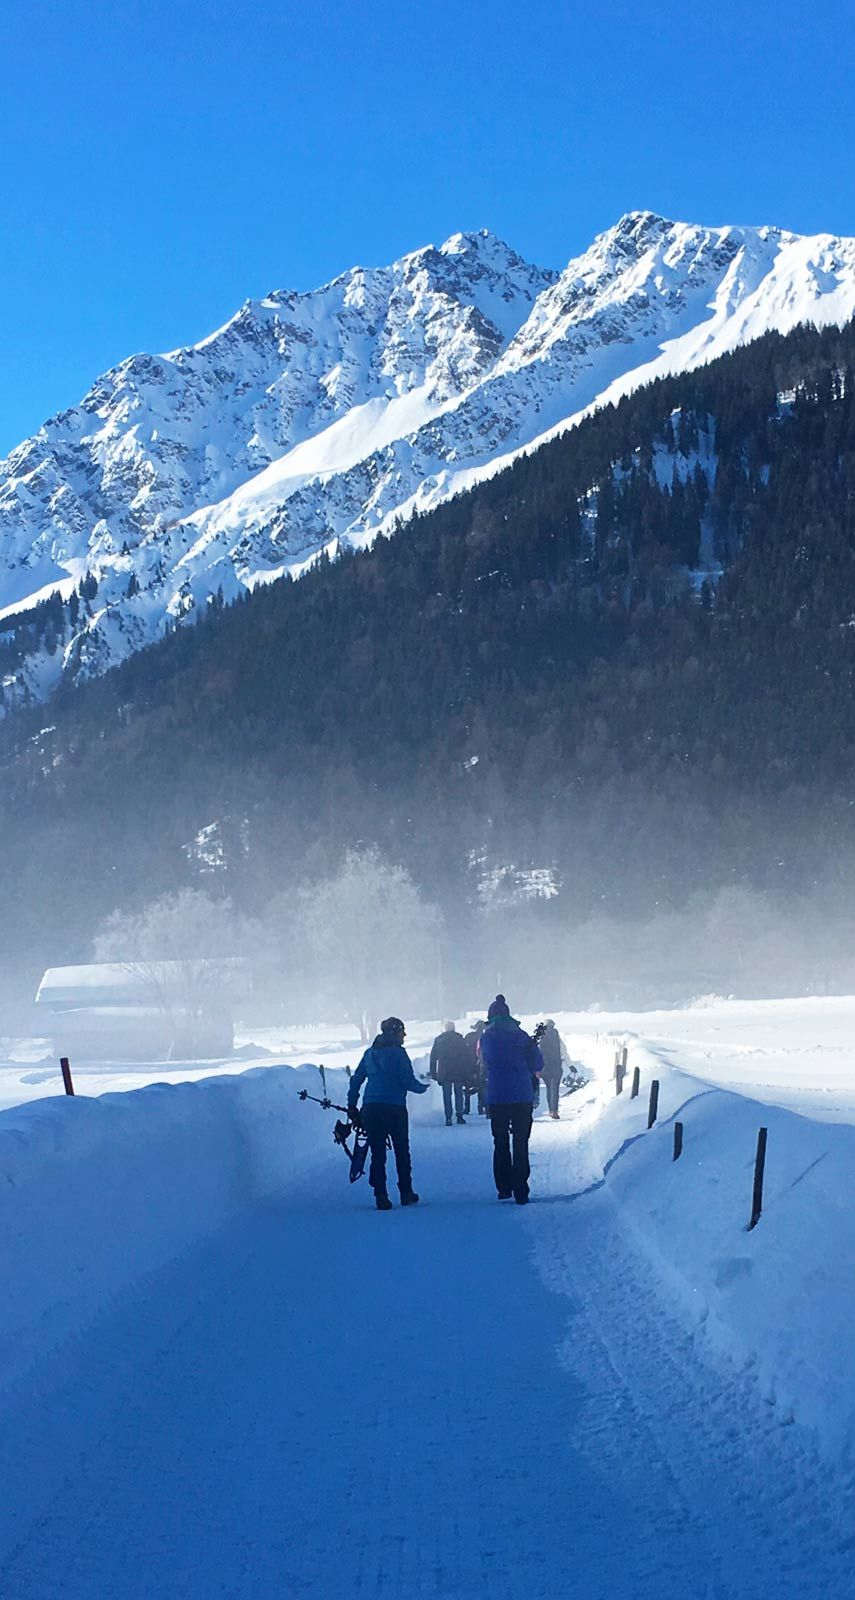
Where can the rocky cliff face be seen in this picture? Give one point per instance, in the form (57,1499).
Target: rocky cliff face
(312,418)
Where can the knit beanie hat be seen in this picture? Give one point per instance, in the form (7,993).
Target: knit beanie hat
(498,1008)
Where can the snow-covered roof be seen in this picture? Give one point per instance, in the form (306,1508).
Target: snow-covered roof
(133,983)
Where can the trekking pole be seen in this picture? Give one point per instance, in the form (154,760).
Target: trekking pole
(328,1105)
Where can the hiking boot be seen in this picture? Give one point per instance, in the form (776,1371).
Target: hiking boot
(521,1199)
(382,1202)
(448,1122)
(555,1116)
(410,1198)
(461,1119)
(506,1194)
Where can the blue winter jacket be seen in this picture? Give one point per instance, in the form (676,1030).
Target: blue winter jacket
(511,1057)
(387,1072)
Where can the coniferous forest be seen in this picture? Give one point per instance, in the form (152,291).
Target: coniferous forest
(623,667)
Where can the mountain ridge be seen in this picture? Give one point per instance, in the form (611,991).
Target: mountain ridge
(315,417)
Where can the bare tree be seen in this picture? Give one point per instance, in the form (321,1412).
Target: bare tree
(375,940)
(182,950)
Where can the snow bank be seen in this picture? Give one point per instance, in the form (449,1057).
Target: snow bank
(777,1302)
(98,1193)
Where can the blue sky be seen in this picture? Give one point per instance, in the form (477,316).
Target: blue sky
(164,161)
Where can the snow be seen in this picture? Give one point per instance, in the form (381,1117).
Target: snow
(29,1070)
(795,1053)
(365,430)
(509,885)
(221,1372)
(775,1302)
(28,587)
(310,419)
(172,1162)
(61,986)
(116,983)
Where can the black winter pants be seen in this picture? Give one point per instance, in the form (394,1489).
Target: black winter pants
(553,1090)
(378,1122)
(511,1171)
(459,1093)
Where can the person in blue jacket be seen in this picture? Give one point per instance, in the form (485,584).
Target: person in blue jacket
(511,1060)
(387,1072)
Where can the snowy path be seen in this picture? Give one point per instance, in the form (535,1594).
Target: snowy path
(462,1400)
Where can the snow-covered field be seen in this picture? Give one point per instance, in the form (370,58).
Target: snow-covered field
(28,1071)
(794,1053)
(222,1373)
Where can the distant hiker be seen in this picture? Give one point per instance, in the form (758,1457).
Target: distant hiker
(472,1040)
(512,1060)
(451,1065)
(554,1061)
(387,1072)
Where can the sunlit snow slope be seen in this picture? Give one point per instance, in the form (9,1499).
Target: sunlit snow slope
(325,416)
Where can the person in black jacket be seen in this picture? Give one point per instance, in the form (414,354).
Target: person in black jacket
(472,1041)
(552,1050)
(450,1064)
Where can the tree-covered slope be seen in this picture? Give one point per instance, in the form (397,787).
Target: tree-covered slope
(615,673)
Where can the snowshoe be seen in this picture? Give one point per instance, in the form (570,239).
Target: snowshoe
(359,1157)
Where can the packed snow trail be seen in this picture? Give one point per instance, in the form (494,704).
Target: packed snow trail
(322,1402)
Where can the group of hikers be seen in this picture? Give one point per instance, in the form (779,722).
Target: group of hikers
(496,1060)
(457,1064)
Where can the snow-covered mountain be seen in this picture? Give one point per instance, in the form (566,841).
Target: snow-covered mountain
(325,416)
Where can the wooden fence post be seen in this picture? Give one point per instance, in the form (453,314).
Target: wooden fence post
(636,1082)
(624,1056)
(678,1140)
(66,1075)
(323,1079)
(653,1108)
(759,1169)
(620,1068)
